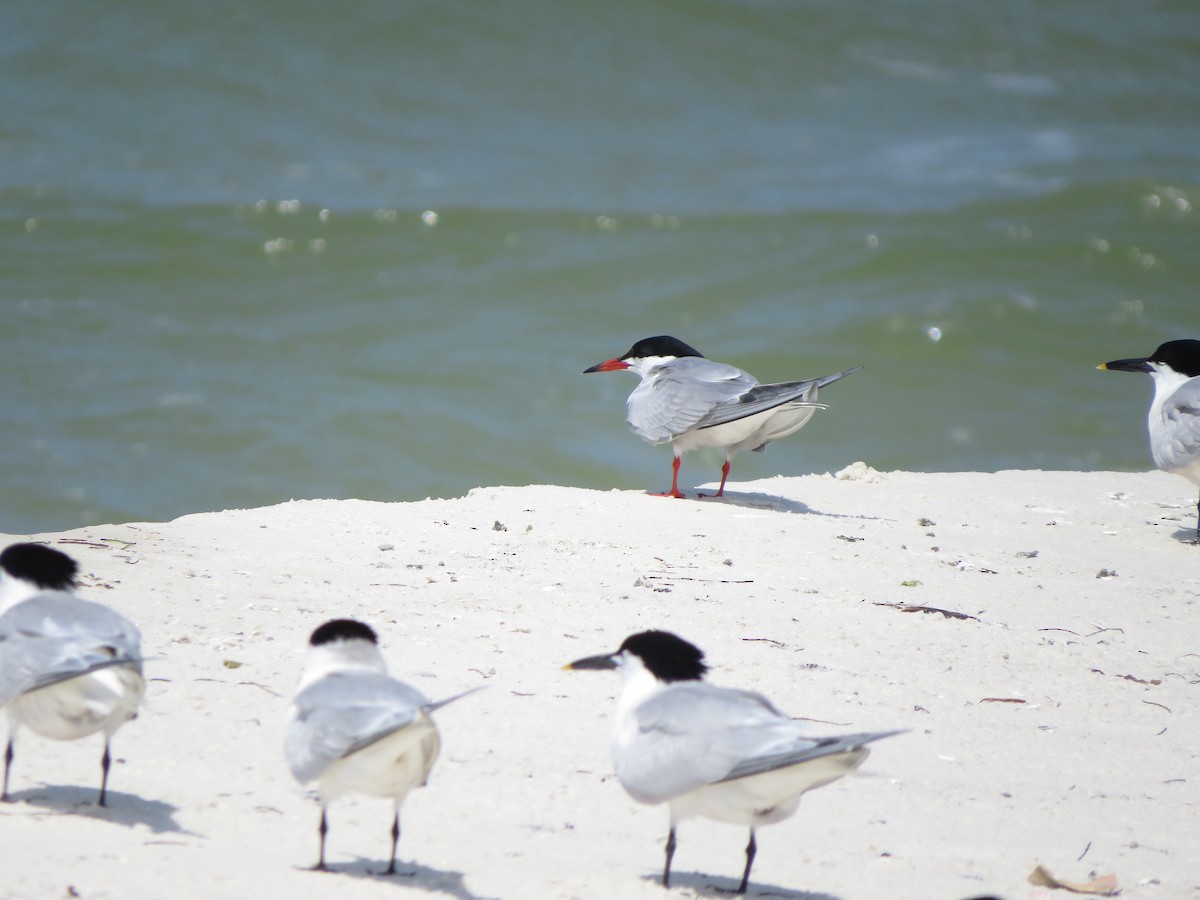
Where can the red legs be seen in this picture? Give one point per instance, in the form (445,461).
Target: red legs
(724,478)
(679,495)
(674,492)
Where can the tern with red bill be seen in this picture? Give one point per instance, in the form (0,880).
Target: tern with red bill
(691,402)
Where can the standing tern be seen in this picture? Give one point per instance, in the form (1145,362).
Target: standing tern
(694,402)
(1174,419)
(710,751)
(68,667)
(355,729)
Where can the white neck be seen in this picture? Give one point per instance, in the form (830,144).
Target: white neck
(647,365)
(15,590)
(1166,382)
(341,656)
(639,684)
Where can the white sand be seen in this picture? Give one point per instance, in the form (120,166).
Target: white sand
(792,587)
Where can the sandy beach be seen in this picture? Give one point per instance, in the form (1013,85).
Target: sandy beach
(1036,633)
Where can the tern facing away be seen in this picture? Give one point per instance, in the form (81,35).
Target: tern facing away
(1174,419)
(694,402)
(355,729)
(68,667)
(710,751)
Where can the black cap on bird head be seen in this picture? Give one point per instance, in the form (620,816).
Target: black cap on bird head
(1183,356)
(49,569)
(667,656)
(342,630)
(661,345)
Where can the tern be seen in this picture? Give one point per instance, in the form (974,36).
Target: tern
(692,402)
(68,667)
(710,751)
(1174,419)
(355,729)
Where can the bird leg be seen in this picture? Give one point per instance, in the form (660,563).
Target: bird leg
(105,765)
(322,830)
(724,478)
(670,855)
(1198,521)
(751,850)
(8,758)
(674,492)
(391,869)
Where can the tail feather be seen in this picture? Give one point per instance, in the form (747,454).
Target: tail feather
(837,376)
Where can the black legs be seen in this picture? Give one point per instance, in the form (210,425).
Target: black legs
(8,758)
(751,850)
(391,869)
(670,854)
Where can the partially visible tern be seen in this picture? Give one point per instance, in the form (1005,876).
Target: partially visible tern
(1174,420)
(692,402)
(68,667)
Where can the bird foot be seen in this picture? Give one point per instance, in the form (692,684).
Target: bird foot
(678,495)
(391,870)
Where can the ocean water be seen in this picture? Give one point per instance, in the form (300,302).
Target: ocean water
(261,251)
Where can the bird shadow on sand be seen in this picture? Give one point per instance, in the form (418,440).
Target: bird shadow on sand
(1186,536)
(710,886)
(128,810)
(758,500)
(408,875)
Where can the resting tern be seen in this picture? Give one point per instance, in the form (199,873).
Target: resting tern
(694,402)
(68,667)
(710,751)
(1174,419)
(355,729)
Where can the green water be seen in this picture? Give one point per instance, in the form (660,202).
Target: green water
(223,286)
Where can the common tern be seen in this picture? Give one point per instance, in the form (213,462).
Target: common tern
(692,402)
(68,667)
(1174,419)
(716,752)
(355,729)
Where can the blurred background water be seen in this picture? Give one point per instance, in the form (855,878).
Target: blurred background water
(255,251)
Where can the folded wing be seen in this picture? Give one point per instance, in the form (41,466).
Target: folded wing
(343,713)
(681,394)
(1181,423)
(695,734)
(55,636)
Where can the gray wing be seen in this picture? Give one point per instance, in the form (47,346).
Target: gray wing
(805,751)
(762,397)
(679,395)
(54,636)
(1181,427)
(696,734)
(342,713)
